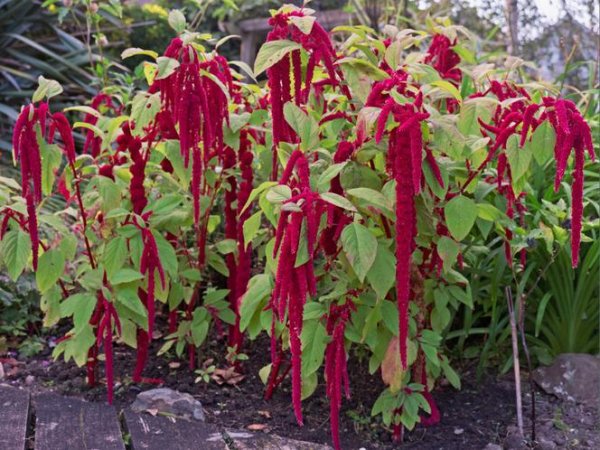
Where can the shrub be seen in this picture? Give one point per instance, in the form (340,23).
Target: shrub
(397,157)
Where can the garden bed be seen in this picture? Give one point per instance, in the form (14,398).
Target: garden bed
(479,414)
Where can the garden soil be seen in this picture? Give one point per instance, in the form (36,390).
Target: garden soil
(477,415)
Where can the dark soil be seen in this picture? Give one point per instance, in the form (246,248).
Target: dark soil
(479,414)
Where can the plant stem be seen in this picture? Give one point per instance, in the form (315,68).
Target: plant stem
(516,366)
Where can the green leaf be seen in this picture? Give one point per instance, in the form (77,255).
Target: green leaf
(328,174)
(143,110)
(251,227)
(46,88)
(543,142)
(360,247)
(80,306)
(110,193)
(461,213)
(259,288)
(166,252)
(448,250)
(314,341)
(166,67)
(338,200)
(372,197)
(519,158)
(279,194)
(304,125)
(447,87)
(50,267)
(177,20)
(51,159)
(126,275)
(15,252)
(257,191)
(382,274)
(309,385)
(304,23)
(450,374)
(134,51)
(473,109)
(114,255)
(271,53)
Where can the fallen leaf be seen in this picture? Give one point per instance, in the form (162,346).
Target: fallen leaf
(266,414)
(175,365)
(152,412)
(228,376)
(257,427)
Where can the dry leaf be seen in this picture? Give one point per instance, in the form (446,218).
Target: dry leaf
(391,367)
(152,412)
(175,365)
(228,376)
(266,414)
(257,427)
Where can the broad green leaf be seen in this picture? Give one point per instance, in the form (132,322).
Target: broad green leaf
(447,87)
(143,110)
(134,51)
(519,158)
(166,67)
(304,23)
(51,159)
(177,20)
(80,306)
(50,305)
(489,212)
(109,192)
(15,252)
(257,191)
(338,200)
(360,247)
(271,53)
(304,125)
(46,89)
(460,213)
(309,385)
(251,227)
(382,274)
(114,256)
(50,267)
(328,174)
(166,252)
(259,288)
(471,110)
(126,275)
(314,340)
(543,141)
(373,197)
(448,249)
(279,194)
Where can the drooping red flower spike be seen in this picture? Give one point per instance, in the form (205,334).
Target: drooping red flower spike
(572,134)
(238,194)
(26,150)
(92,142)
(443,58)
(194,99)
(295,282)
(336,372)
(285,76)
(104,335)
(404,164)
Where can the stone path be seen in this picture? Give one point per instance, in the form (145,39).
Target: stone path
(53,422)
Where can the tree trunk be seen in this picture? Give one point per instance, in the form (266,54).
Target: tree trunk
(511,11)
